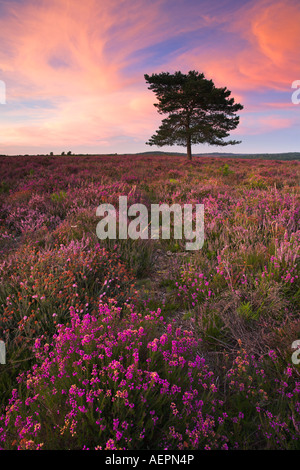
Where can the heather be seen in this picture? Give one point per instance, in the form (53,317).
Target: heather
(137,344)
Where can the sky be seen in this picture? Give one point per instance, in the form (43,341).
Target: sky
(72,71)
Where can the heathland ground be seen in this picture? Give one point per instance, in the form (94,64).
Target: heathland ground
(139,344)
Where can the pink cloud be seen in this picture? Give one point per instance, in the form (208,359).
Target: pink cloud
(258,125)
(282,105)
(60,51)
(77,55)
(268,55)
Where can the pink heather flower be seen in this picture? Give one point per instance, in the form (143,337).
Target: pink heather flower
(82,409)
(163,339)
(110,445)
(153,345)
(272,354)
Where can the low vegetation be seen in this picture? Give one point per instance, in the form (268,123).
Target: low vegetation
(138,344)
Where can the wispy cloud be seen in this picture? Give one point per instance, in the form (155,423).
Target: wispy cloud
(74,70)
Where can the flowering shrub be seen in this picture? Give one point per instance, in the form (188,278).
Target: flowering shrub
(39,286)
(193,287)
(137,383)
(107,384)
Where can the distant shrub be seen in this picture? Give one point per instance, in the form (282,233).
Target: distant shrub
(225,170)
(256,182)
(58,197)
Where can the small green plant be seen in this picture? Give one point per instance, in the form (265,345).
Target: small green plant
(225,170)
(58,197)
(245,311)
(174,247)
(256,182)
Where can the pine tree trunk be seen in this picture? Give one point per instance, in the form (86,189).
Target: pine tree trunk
(189,148)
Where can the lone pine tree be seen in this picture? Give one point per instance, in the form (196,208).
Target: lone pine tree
(198,111)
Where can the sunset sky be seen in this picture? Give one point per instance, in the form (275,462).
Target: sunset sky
(74,70)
